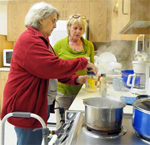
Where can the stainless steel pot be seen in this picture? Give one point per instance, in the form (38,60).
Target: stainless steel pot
(103,114)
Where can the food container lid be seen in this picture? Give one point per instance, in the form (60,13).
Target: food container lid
(90,73)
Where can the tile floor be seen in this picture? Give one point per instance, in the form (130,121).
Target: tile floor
(10,135)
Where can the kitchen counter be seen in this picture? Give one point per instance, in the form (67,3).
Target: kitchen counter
(78,105)
(4,69)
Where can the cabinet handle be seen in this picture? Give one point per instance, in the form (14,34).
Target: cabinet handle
(123,8)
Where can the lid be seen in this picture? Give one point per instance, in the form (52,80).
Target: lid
(90,73)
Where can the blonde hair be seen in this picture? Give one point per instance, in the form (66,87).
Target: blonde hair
(77,19)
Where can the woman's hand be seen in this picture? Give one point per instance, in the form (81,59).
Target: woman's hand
(81,79)
(92,67)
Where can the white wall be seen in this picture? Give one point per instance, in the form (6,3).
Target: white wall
(60,32)
(3,19)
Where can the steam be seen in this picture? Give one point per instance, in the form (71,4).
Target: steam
(123,50)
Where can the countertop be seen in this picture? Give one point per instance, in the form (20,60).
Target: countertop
(4,68)
(78,105)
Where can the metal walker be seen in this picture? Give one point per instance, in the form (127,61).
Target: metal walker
(45,130)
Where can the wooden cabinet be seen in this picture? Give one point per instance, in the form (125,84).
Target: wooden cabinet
(97,13)
(18,10)
(3,79)
(99,21)
(70,7)
(134,17)
(115,35)
(16,16)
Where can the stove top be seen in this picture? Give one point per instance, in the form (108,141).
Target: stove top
(103,135)
(80,135)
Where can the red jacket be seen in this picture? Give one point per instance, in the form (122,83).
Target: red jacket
(32,66)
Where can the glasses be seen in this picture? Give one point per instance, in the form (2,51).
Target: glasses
(78,16)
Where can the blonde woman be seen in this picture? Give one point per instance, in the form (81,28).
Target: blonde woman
(71,47)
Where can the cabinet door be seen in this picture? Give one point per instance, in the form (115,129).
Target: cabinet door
(16,17)
(3,79)
(18,10)
(123,14)
(99,21)
(68,8)
(115,27)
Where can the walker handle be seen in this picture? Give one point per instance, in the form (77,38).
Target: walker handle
(22,114)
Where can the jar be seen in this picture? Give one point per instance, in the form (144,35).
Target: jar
(103,85)
(91,82)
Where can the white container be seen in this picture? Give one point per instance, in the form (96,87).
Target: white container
(139,66)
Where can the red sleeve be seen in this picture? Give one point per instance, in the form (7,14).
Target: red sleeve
(69,80)
(40,62)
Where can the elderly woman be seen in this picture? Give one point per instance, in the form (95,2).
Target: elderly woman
(71,47)
(33,63)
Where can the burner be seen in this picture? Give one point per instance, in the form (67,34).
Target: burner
(103,132)
(145,139)
(104,135)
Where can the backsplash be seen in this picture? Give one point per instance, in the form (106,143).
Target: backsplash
(123,50)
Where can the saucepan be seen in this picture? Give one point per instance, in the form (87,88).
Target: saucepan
(141,117)
(103,114)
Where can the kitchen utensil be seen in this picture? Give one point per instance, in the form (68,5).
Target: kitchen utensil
(80,134)
(125,74)
(137,51)
(141,117)
(103,114)
(140,54)
(141,76)
(107,57)
(118,84)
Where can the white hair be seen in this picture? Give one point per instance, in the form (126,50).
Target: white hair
(39,11)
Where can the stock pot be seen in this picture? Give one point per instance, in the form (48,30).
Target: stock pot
(103,114)
(141,117)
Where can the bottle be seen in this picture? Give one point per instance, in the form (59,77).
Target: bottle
(103,85)
(91,82)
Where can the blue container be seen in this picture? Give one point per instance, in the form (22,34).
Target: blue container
(141,117)
(125,74)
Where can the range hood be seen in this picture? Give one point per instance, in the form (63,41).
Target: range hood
(137,27)
(141,24)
